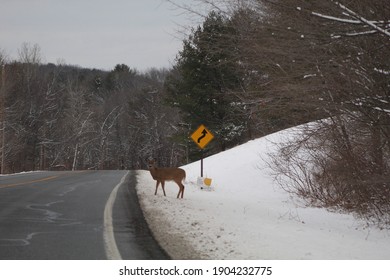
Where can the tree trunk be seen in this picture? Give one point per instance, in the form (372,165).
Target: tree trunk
(75,157)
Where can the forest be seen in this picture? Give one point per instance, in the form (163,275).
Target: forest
(67,117)
(251,67)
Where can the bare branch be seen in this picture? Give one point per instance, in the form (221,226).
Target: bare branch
(358,19)
(362,19)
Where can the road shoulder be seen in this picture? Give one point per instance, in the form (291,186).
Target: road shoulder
(174,241)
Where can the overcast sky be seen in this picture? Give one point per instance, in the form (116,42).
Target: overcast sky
(94,33)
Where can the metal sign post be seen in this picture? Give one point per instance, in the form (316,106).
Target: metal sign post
(202,136)
(201,166)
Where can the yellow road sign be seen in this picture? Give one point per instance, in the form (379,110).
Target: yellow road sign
(202,136)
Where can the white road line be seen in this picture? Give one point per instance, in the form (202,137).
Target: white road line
(110,246)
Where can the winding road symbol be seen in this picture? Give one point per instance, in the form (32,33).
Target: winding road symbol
(202,136)
(204,133)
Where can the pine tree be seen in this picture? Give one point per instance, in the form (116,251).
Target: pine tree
(205,78)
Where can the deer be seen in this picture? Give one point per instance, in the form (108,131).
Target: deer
(167,174)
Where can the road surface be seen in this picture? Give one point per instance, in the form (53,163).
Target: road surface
(73,215)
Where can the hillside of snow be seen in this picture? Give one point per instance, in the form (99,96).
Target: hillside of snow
(245,215)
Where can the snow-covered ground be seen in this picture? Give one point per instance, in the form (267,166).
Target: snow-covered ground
(245,215)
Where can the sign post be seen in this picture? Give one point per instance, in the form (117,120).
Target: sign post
(202,136)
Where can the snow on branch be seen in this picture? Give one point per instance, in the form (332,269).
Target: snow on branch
(362,33)
(362,19)
(357,19)
(344,20)
(382,71)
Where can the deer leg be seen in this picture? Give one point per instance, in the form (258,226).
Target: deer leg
(158,182)
(163,187)
(181,189)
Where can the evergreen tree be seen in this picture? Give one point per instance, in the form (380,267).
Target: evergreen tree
(205,78)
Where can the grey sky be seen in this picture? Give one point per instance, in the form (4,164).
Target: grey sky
(94,33)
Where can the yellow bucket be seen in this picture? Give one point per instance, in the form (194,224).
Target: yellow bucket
(207,182)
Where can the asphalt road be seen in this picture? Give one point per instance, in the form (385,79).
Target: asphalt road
(73,215)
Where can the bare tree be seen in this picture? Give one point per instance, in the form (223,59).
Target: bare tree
(2,111)
(343,160)
(30,54)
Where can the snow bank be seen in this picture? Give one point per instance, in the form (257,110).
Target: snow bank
(245,215)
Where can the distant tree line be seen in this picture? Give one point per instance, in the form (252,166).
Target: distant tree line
(67,117)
